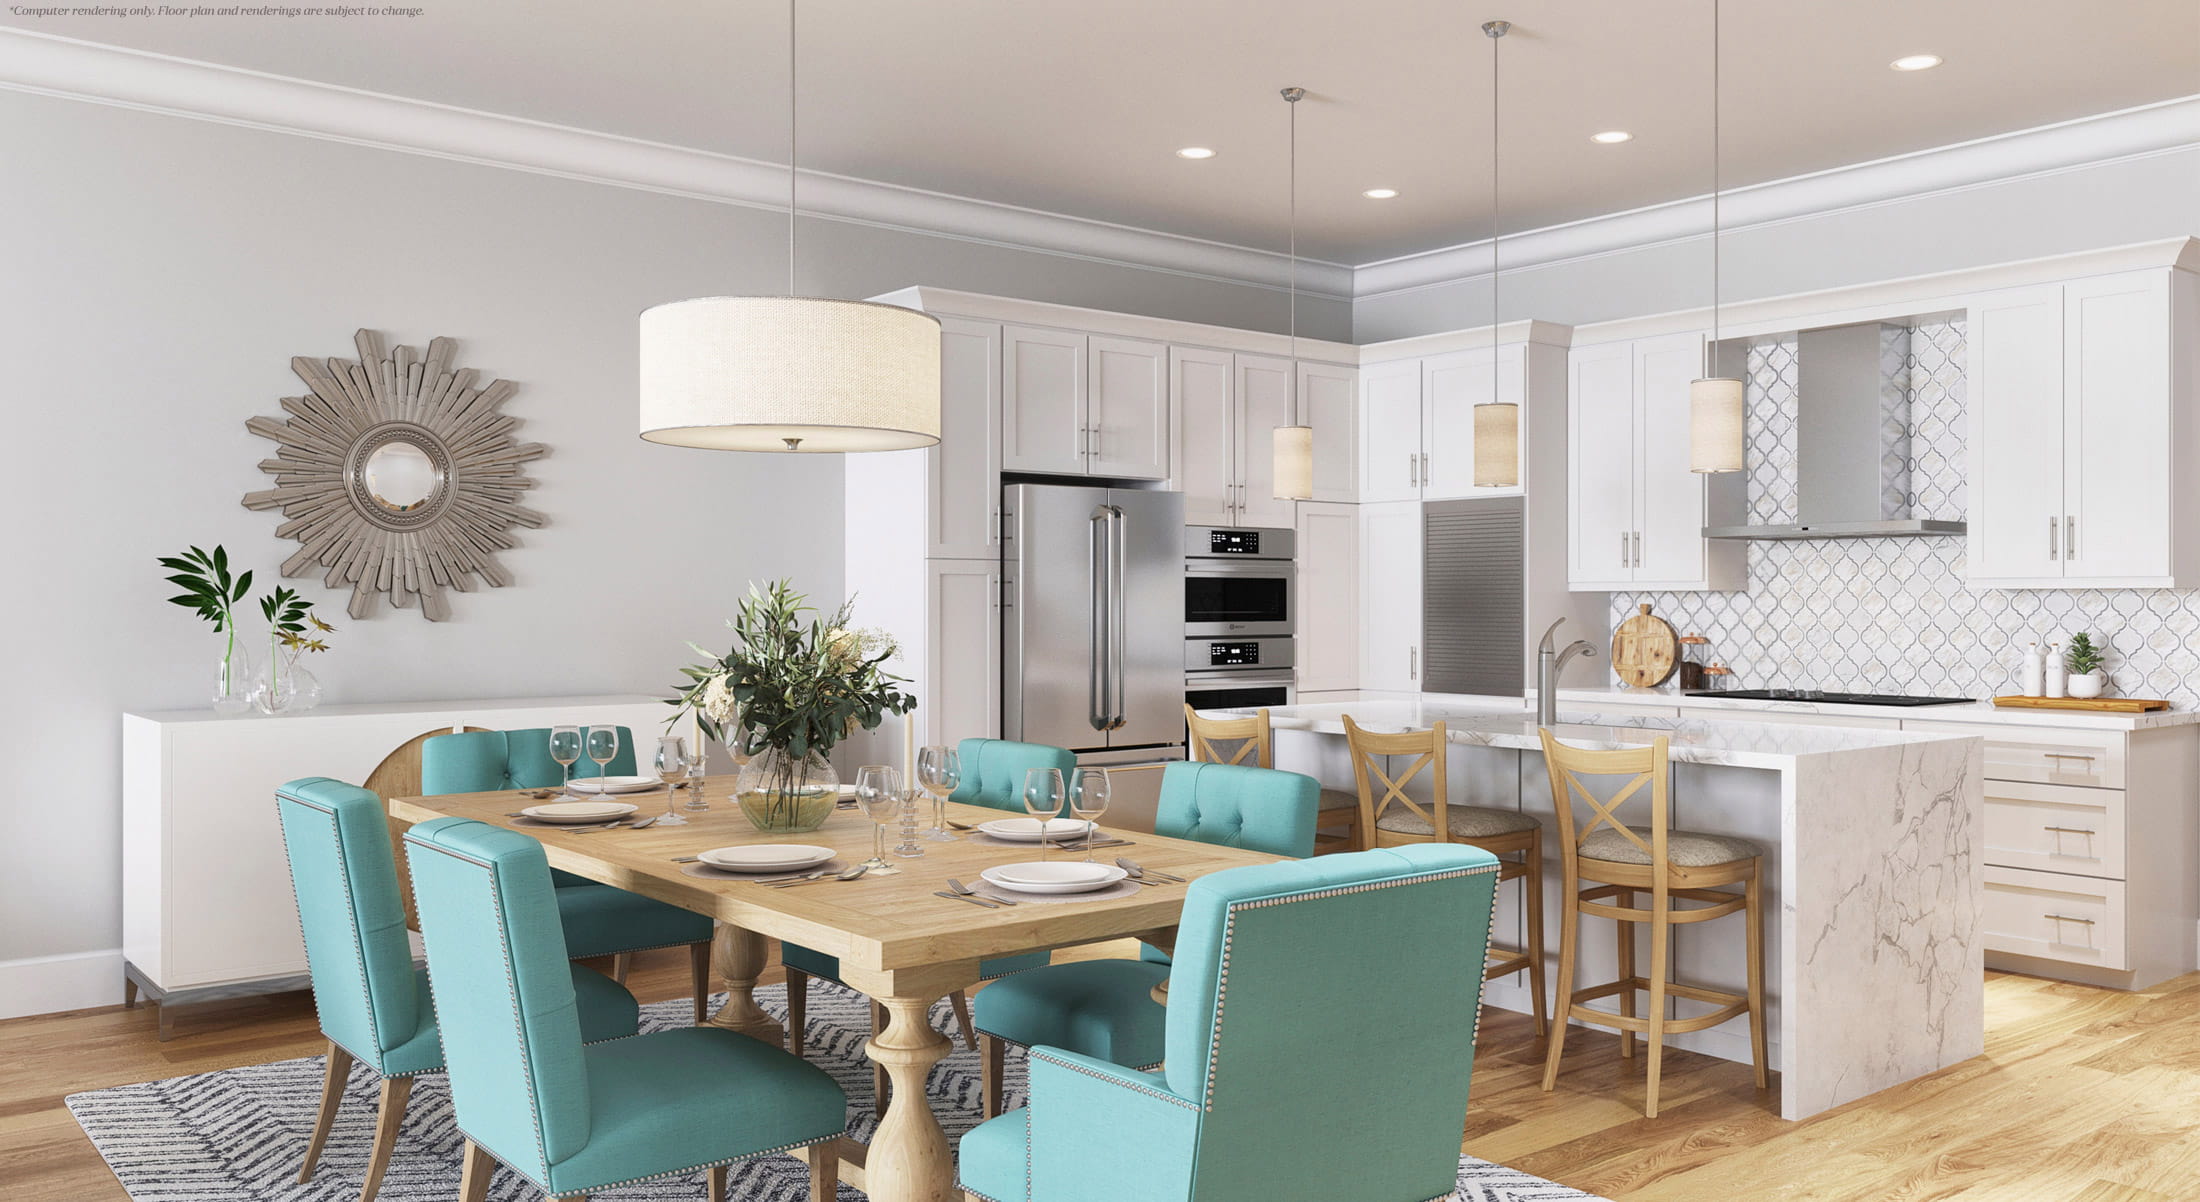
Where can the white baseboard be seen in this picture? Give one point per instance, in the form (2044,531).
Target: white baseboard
(45,984)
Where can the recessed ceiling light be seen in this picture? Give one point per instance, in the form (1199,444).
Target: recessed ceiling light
(1380,193)
(1916,62)
(1612,137)
(1195,152)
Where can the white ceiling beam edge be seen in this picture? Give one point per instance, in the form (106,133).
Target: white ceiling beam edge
(66,67)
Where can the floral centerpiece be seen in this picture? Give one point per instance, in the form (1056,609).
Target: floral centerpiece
(791,688)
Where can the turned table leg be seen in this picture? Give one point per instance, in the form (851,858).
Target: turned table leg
(909,1159)
(739,957)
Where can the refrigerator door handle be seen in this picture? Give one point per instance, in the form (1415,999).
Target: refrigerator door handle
(1118,613)
(1098,536)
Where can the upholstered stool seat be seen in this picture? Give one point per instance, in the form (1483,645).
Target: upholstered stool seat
(1687,849)
(1339,799)
(1466,822)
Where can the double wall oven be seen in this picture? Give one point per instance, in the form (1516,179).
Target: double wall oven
(1239,616)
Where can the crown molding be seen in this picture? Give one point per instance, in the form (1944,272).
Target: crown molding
(1016,311)
(47,65)
(2166,127)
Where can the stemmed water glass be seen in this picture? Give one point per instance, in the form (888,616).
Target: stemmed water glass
(1088,799)
(602,743)
(908,848)
(878,791)
(672,768)
(939,770)
(565,748)
(1043,800)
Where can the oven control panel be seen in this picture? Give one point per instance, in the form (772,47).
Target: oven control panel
(1239,542)
(1202,655)
(1233,542)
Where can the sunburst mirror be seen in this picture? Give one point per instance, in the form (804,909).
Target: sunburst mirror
(399,475)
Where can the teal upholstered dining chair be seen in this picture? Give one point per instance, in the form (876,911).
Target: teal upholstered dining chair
(599,920)
(373,1004)
(1266,1095)
(992,775)
(574,1118)
(1105,1008)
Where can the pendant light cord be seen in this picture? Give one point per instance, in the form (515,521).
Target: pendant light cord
(791,144)
(1711,349)
(1497,31)
(1292,96)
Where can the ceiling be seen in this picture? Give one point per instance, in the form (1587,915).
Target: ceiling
(1077,108)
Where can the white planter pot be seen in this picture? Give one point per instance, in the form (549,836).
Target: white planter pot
(2089,685)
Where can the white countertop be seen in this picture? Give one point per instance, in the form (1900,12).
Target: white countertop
(1736,743)
(1975,711)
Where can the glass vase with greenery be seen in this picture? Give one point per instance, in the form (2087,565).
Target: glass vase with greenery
(212,593)
(790,688)
(288,687)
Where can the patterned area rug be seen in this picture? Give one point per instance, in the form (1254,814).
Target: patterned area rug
(236,1135)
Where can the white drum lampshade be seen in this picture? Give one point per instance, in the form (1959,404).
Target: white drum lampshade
(1496,445)
(1715,408)
(789,373)
(1294,473)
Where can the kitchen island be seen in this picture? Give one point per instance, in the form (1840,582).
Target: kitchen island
(1872,873)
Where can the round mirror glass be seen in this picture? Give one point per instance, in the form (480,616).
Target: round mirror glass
(400,477)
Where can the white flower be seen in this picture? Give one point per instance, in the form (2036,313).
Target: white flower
(717,702)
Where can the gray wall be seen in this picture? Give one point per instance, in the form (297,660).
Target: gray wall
(161,272)
(2135,200)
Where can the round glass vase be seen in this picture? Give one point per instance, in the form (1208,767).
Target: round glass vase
(783,795)
(286,689)
(233,681)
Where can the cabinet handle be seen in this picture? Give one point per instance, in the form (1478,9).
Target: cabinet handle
(2069,830)
(2068,918)
(1424,468)
(2070,538)
(1413,663)
(1092,443)
(2059,919)
(2054,529)
(1413,469)
(1638,548)
(1623,549)
(2064,755)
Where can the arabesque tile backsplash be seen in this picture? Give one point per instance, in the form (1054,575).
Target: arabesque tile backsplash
(1894,615)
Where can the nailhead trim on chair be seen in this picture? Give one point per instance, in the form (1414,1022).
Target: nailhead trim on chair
(1148,1090)
(708,1164)
(359,949)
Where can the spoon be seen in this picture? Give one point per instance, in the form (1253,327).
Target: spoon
(793,880)
(848,875)
(967,891)
(1140,874)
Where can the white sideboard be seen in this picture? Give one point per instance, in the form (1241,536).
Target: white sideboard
(206,903)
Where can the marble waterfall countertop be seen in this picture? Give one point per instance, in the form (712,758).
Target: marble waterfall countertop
(1970,711)
(1733,742)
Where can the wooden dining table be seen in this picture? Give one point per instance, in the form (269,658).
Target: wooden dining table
(897,942)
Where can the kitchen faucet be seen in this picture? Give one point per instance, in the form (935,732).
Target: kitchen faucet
(1548,664)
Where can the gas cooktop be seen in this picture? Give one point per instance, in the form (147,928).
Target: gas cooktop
(1831,698)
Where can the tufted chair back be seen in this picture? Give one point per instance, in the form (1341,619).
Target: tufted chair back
(1236,806)
(497,966)
(993,771)
(482,761)
(351,914)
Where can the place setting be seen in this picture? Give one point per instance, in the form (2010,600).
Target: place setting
(1046,880)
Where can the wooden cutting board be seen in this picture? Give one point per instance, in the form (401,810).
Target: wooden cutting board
(2103,705)
(1644,650)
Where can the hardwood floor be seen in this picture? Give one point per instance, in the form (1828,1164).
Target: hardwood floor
(2083,1095)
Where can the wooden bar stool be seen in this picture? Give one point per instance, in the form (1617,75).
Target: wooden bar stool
(1671,866)
(1255,738)
(1393,820)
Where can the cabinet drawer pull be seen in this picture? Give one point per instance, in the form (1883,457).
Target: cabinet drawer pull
(2066,755)
(2069,830)
(2054,529)
(2070,538)
(1623,549)
(2067,918)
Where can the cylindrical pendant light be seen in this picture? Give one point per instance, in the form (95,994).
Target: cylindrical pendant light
(1716,404)
(1293,474)
(1496,421)
(789,373)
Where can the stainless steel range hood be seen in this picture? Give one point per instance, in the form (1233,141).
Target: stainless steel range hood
(1852,441)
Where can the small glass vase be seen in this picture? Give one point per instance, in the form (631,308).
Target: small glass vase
(233,682)
(286,689)
(783,795)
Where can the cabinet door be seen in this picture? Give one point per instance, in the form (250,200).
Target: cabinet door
(1601,466)
(1263,403)
(963,473)
(1329,597)
(1043,412)
(1202,392)
(1390,596)
(1390,431)
(1669,505)
(2117,430)
(962,693)
(1451,386)
(2014,394)
(1129,409)
(1329,401)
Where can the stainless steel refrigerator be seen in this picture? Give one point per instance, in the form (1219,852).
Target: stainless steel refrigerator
(1092,634)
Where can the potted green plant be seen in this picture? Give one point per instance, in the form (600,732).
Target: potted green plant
(209,590)
(2084,659)
(789,689)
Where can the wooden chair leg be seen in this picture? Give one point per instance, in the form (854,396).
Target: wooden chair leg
(1569,937)
(1661,951)
(825,1171)
(714,1187)
(475,1171)
(1755,909)
(387,1119)
(333,1077)
(619,964)
(993,1061)
(699,968)
(882,1087)
(1532,886)
(961,1001)
(798,1008)
(1625,934)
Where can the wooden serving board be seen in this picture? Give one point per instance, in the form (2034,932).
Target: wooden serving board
(1644,650)
(2101,705)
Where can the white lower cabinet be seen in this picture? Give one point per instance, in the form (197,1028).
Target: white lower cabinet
(2055,828)
(1390,596)
(1328,597)
(2055,916)
(960,694)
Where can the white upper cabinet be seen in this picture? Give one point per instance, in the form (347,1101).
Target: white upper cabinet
(1390,431)
(1263,403)
(1601,466)
(1044,418)
(1227,409)
(1128,410)
(1669,504)
(1202,389)
(1451,386)
(962,489)
(2077,431)
(1329,402)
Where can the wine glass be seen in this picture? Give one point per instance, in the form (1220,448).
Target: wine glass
(672,768)
(878,791)
(939,770)
(697,767)
(602,743)
(565,748)
(1088,799)
(908,848)
(1043,800)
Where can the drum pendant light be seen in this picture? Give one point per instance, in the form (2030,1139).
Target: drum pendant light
(1293,448)
(1715,403)
(789,373)
(1496,421)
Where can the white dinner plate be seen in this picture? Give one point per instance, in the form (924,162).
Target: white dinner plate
(1069,878)
(616,784)
(766,857)
(1029,830)
(576,812)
